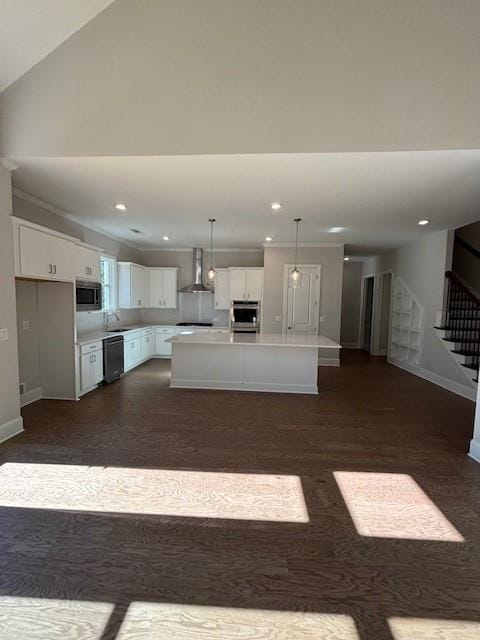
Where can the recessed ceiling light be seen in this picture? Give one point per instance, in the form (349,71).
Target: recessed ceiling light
(268,239)
(336,229)
(166,238)
(422,223)
(120,206)
(346,258)
(276,206)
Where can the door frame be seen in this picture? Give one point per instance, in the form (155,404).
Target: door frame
(286,269)
(375,349)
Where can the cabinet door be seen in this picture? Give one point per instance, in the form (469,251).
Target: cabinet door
(60,251)
(169,288)
(86,372)
(163,348)
(237,284)
(34,253)
(97,367)
(87,264)
(139,286)
(222,289)
(132,353)
(148,346)
(254,284)
(155,285)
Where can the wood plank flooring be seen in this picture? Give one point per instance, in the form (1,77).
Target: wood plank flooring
(98,575)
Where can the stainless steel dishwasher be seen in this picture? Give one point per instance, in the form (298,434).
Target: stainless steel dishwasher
(112,358)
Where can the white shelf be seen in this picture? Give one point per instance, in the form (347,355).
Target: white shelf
(407,325)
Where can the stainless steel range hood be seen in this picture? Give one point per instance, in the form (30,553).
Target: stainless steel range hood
(197,286)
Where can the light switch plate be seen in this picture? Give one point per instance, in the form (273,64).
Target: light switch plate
(278,318)
(3,334)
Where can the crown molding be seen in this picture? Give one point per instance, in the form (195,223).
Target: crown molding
(28,197)
(301,245)
(190,249)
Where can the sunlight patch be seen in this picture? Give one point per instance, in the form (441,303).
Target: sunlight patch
(22,618)
(392,505)
(145,621)
(195,494)
(429,629)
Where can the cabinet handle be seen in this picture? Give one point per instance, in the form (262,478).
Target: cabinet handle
(50,268)
(54,268)
(164,303)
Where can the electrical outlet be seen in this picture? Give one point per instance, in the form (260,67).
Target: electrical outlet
(3,334)
(278,318)
(26,325)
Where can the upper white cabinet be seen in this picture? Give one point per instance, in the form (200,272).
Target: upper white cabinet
(43,255)
(132,286)
(87,264)
(162,288)
(246,284)
(222,289)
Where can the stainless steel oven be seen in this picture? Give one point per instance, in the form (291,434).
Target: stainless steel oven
(89,295)
(245,316)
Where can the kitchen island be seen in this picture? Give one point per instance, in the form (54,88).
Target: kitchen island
(247,361)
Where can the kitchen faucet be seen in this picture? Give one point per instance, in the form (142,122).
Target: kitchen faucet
(108,316)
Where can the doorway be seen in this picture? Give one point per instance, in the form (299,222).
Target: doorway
(301,305)
(368,286)
(384,309)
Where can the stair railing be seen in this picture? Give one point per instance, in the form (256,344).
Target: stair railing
(462,315)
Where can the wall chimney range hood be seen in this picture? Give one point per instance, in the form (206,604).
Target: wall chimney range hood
(197,286)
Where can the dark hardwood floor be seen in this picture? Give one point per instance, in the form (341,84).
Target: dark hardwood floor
(370,417)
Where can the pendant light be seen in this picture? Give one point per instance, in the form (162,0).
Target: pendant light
(211,271)
(295,273)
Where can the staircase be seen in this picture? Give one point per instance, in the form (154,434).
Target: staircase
(461,326)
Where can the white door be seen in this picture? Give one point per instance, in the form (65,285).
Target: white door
(237,284)
(254,284)
(301,305)
(138,276)
(222,289)
(155,277)
(170,288)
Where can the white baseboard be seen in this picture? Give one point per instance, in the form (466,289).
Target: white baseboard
(328,362)
(31,396)
(11,428)
(179,383)
(445,383)
(474,452)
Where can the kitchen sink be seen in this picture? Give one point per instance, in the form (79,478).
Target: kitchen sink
(121,330)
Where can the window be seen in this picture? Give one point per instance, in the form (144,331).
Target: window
(107,276)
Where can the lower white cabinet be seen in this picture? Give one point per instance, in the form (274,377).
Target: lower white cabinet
(148,345)
(91,366)
(163,348)
(132,350)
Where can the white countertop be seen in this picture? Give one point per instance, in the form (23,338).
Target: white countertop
(93,336)
(257,339)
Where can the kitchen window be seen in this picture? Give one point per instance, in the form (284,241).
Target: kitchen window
(108,270)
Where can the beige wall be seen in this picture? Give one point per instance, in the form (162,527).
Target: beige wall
(9,393)
(351,292)
(24,209)
(331,260)
(28,339)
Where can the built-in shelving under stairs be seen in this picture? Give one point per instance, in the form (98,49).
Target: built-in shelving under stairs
(460,330)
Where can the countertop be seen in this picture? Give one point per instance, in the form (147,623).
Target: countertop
(93,336)
(255,339)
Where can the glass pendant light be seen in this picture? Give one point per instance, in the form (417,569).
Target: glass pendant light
(295,273)
(211,271)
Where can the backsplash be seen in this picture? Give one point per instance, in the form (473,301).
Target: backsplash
(95,320)
(192,307)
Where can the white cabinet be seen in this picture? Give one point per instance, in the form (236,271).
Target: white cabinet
(162,288)
(222,289)
(132,286)
(43,255)
(246,284)
(132,350)
(87,263)
(148,344)
(163,348)
(91,366)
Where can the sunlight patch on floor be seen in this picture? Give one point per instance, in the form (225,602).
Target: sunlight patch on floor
(45,618)
(197,494)
(392,505)
(429,629)
(145,621)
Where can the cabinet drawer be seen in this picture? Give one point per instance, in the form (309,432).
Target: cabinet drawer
(165,330)
(132,335)
(147,332)
(90,347)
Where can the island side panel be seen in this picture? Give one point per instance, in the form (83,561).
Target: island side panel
(281,369)
(206,366)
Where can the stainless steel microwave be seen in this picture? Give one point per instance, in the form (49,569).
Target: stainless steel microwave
(89,295)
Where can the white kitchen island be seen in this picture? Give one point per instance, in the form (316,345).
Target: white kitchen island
(247,361)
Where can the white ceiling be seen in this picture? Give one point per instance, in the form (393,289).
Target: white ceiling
(31,29)
(377,197)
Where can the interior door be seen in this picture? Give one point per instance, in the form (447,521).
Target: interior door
(302,304)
